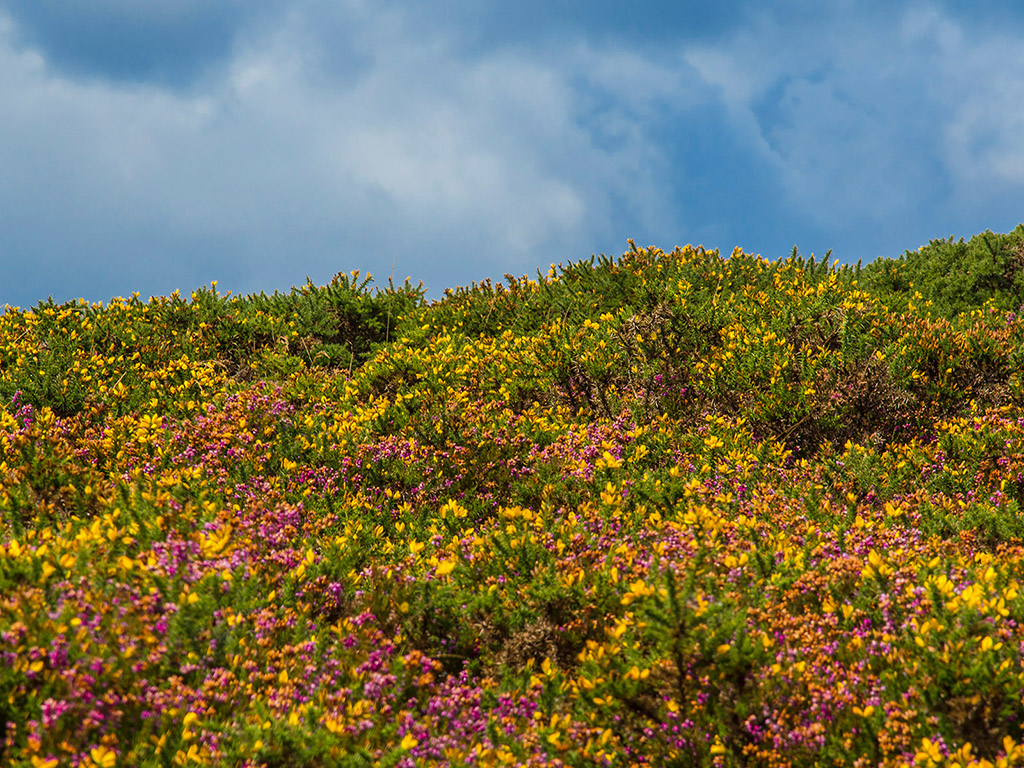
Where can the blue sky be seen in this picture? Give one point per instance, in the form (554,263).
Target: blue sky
(161,145)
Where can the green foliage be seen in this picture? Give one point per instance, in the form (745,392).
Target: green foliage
(948,277)
(342,323)
(339,325)
(672,509)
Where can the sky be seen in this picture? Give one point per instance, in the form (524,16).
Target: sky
(158,146)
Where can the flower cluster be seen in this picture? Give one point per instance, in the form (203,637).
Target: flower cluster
(670,509)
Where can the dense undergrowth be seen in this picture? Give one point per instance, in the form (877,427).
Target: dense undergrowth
(668,509)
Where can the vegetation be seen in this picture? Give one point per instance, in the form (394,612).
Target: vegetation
(952,276)
(667,509)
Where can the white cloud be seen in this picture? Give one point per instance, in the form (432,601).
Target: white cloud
(982,96)
(870,117)
(332,135)
(732,75)
(926,24)
(485,162)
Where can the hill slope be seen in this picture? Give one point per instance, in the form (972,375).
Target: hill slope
(668,509)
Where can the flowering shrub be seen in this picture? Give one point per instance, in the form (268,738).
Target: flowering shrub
(950,276)
(668,509)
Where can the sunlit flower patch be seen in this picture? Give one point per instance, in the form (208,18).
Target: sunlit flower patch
(671,509)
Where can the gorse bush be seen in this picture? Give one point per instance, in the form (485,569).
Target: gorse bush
(64,353)
(795,346)
(342,323)
(675,508)
(952,276)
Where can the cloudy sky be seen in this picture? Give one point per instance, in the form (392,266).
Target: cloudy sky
(160,145)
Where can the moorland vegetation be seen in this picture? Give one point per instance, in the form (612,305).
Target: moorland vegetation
(673,508)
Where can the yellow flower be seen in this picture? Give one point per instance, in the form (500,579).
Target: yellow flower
(213,545)
(713,442)
(103,757)
(192,756)
(409,741)
(445,567)
(929,753)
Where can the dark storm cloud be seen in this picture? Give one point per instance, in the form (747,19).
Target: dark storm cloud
(162,145)
(165,41)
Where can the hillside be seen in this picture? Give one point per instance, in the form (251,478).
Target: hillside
(674,508)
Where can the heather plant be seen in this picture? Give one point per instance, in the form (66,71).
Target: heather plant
(676,508)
